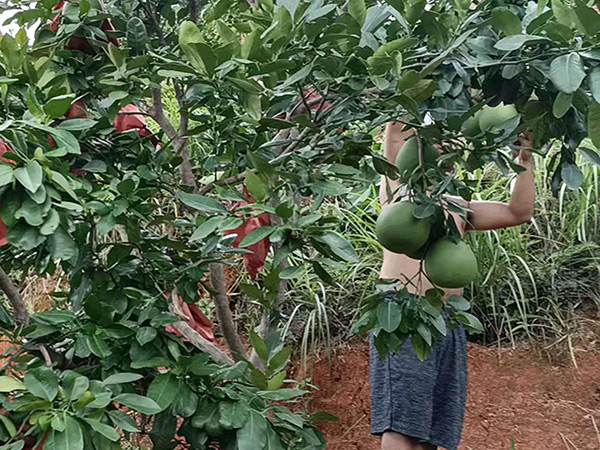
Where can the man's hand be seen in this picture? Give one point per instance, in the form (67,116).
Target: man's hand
(525,155)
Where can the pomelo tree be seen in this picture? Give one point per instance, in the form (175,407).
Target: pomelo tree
(278,107)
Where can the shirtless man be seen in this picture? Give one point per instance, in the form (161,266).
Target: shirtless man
(420,405)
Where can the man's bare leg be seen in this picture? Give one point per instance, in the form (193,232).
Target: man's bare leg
(397,441)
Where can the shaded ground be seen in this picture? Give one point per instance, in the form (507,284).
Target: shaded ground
(514,393)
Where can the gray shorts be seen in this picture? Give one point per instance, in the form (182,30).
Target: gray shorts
(422,399)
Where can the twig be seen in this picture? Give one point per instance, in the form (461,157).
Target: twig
(596,429)
(20,313)
(241,176)
(572,352)
(564,441)
(45,354)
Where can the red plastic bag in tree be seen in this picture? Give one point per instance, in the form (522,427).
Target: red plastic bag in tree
(255,261)
(193,316)
(3,230)
(77,110)
(80,43)
(129,118)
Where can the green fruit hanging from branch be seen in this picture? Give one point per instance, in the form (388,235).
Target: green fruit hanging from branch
(408,158)
(399,231)
(450,264)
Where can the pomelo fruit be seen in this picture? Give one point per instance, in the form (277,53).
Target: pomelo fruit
(492,117)
(407,159)
(399,231)
(449,264)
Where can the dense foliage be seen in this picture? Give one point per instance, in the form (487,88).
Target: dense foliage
(284,98)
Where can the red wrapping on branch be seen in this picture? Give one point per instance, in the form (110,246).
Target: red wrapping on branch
(195,318)
(255,261)
(3,230)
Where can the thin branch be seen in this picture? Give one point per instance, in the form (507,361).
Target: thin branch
(221,299)
(218,355)
(45,354)
(241,176)
(21,315)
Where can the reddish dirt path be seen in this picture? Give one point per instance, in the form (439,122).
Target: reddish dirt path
(512,393)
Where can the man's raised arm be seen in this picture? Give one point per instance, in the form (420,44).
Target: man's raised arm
(493,215)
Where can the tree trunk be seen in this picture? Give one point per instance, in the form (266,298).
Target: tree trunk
(20,314)
(228,329)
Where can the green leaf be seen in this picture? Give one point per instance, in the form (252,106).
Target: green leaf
(95,166)
(282,394)
(389,316)
(42,382)
(30,176)
(276,381)
(257,235)
(562,104)
(10,49)
(511,43)
(298,76)
(198,53)
(253,435)
(145,335)
(207,227)
(459,302)
(65,140)
(9,384)
(257,186)
(339,246)
(122,378)
(62,246)
(6,174)
(594,123)
(595,84)
(58,106)
(9,426)
(105,430)
(567,73)
(77,124)
(137,35)
(202,203)
(590,155)
(586,18)
(163,390)
(141,404)
(420,346)
(259,346)
(63,183)
(123,421)
(69,439)
(562,13)
(116,55)
(572,176)
(75,384)
(232,415)
(506,20)
(358,10)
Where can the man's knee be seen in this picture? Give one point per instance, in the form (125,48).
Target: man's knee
(397,441)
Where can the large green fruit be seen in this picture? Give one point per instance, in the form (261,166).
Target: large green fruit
(450,265)
(408,156)
(490,118)
(399,231)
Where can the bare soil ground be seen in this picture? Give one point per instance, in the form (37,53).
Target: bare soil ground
(514,394)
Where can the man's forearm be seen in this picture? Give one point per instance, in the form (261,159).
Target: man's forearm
(522,201)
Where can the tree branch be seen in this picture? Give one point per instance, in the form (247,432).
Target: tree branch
(179,139)
(228,329)
(21,315)
(218,355)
